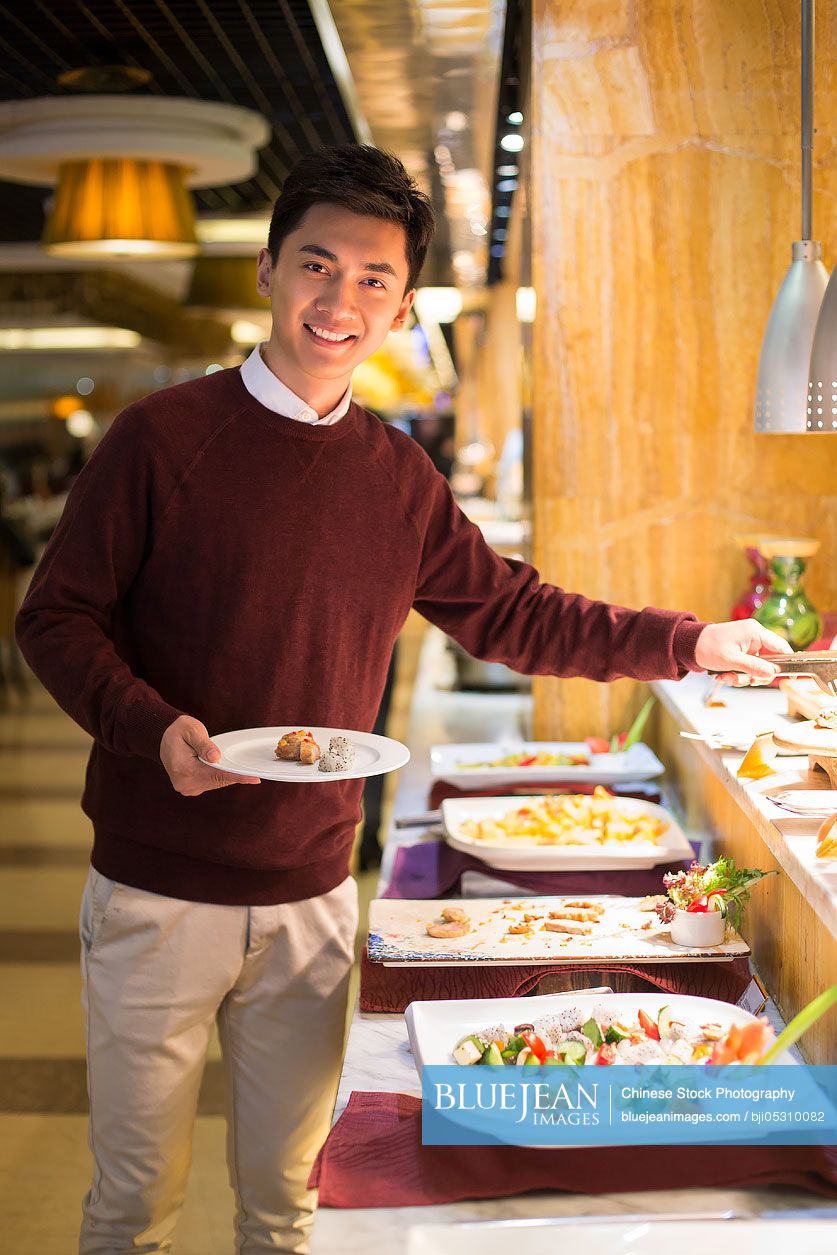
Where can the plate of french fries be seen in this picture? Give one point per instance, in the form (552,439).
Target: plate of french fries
(564,832)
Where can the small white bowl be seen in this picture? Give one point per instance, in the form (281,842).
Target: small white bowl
(698,928)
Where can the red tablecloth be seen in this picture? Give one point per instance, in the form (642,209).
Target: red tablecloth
(373,1157)
(392,989)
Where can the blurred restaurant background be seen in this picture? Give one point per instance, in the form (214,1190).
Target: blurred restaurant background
(618,192)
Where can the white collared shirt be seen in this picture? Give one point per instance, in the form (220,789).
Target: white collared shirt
(268,389)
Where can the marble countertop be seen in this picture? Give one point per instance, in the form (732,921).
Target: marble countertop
(378,1054)
(792,840)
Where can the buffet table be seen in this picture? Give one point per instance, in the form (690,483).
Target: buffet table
(791,921)
(378,1058)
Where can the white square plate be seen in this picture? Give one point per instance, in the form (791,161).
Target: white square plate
(637,763)
(626,1235)
(522,854)
(434,1028)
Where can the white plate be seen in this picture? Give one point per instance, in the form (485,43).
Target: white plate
(637,763)
(434,1028)
(626,1235)
(250,752)
(524,855)
(809,803)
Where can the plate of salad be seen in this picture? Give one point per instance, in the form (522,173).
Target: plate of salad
(510,763)
(586,1029)
(596,760)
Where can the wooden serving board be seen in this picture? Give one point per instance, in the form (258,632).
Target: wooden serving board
(805,697)
(820,744)
(398,934)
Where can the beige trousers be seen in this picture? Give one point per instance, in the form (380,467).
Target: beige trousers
(157,973)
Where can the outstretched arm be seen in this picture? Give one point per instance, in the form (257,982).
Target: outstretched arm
(499,611)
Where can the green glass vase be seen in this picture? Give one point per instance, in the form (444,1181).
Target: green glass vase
(787,611)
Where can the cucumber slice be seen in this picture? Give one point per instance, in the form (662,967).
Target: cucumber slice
(616,1033)
(571,1051)
(492,1055)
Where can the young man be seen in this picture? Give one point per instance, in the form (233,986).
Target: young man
(242,551)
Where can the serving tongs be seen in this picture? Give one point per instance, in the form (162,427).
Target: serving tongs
(820,665)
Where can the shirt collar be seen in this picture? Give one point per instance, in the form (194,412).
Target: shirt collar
(268,389)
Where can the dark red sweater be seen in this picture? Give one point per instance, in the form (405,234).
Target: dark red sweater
(218,560)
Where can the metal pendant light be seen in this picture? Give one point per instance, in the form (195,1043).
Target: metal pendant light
(782,387)
(821,415)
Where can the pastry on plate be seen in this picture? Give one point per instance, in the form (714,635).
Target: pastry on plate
(290,747)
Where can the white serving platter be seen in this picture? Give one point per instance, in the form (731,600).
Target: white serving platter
(807,738)
(524,854)
(434,1028)
(250,752)
(627,1235)
(398,934)
(637,763)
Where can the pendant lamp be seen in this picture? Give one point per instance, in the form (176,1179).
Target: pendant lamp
(122,166)
(121,208)
(782,385)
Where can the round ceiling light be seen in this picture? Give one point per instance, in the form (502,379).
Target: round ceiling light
(122,165)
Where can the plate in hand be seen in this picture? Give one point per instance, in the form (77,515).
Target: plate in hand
(250,752)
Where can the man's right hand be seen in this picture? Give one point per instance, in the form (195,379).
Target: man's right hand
(184,743)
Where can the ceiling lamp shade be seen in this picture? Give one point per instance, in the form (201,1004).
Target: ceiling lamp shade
(822,375)
(121,208)
(122,165)
(782,382)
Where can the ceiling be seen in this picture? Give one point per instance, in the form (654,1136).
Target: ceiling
(417,77)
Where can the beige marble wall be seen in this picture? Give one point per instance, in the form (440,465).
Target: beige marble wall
(664,198)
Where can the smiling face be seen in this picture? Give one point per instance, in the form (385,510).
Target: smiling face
(336,290)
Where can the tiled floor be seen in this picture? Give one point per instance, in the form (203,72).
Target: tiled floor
(44,847)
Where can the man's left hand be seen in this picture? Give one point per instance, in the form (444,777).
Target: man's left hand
(732,650)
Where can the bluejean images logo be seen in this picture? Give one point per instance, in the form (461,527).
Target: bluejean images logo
(611,1106)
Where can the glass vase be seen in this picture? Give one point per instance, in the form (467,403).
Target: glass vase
(788,611)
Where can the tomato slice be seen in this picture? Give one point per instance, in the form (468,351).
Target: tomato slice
(648,1026)
(536,1046)
(597,744)
(607,1053)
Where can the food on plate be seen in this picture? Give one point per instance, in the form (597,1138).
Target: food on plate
(562,926)
(827,838)
(291,745)
(827,718)
(455,923)
(743,1045)
(575,1037)
(526,759)
(339,756)
(757,762)
(718,886)
(584,915)
(569,819)
(309,752)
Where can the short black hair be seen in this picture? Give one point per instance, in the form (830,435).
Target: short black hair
(364,180)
